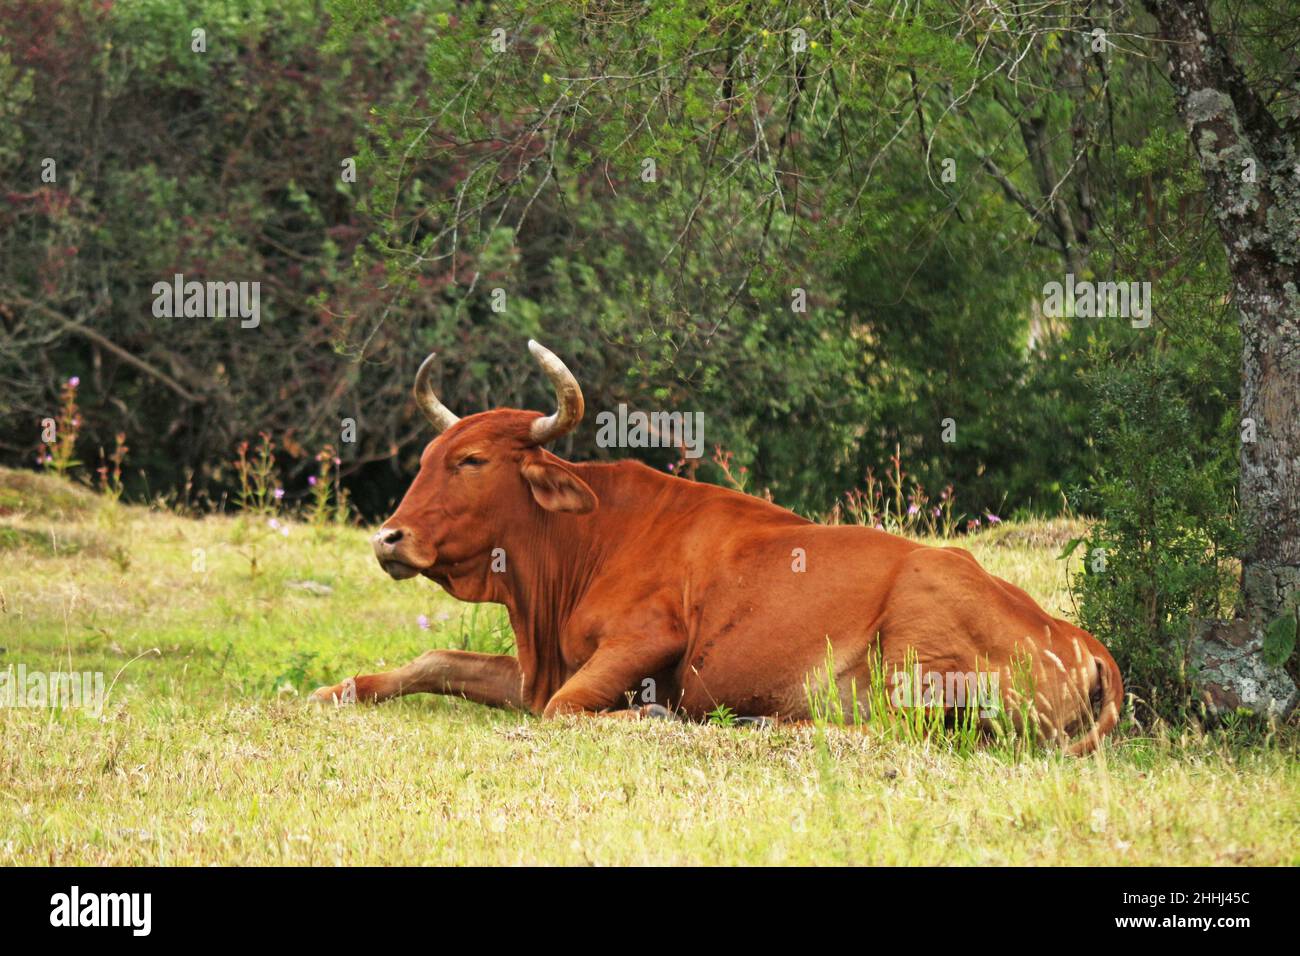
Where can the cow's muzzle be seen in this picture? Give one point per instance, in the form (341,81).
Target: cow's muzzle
(392,550)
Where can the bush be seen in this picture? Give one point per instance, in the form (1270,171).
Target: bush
(1159,557)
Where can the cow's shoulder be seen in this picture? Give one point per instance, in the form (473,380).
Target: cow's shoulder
(613,610)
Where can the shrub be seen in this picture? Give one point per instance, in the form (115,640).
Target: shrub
(1159,557)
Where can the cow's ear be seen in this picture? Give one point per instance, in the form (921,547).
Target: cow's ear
(558,489)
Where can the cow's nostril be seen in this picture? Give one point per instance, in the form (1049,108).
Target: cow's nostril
(391,546)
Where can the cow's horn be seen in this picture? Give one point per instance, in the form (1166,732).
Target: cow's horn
(439,415)
(568,397)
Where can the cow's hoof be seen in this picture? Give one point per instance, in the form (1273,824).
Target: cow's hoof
(656,712)
(339,694)
(757,723)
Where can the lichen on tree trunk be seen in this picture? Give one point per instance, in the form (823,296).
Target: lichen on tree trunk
(1252,175)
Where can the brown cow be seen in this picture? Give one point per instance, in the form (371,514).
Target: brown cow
(619,579)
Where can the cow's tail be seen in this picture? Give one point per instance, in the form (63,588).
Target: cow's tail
(1106,699)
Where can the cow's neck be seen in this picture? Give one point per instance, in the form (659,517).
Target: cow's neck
(551,563)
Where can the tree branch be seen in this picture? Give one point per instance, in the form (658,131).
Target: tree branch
(108,345)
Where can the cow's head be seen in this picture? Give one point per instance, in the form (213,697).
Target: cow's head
(480,476)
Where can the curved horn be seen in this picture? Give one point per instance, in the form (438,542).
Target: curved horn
(439,415)
(568,397)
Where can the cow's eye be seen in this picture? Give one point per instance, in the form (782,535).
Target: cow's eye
(473,461)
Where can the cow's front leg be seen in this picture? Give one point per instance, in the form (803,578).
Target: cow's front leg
(492,679)
(602,683)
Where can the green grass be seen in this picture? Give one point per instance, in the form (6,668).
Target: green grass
(206,753)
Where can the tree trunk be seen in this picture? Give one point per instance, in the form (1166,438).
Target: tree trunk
(1252,176)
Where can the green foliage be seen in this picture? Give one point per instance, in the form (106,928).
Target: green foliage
(221,165)
(949,346)
(296,676)
(1159,559)
(1164,422)
(1280,639)
(722,716)
(522,169)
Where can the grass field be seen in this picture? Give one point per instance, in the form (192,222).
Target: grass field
(206,753)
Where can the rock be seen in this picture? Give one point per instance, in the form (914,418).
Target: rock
(311,587)
(1231,672)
